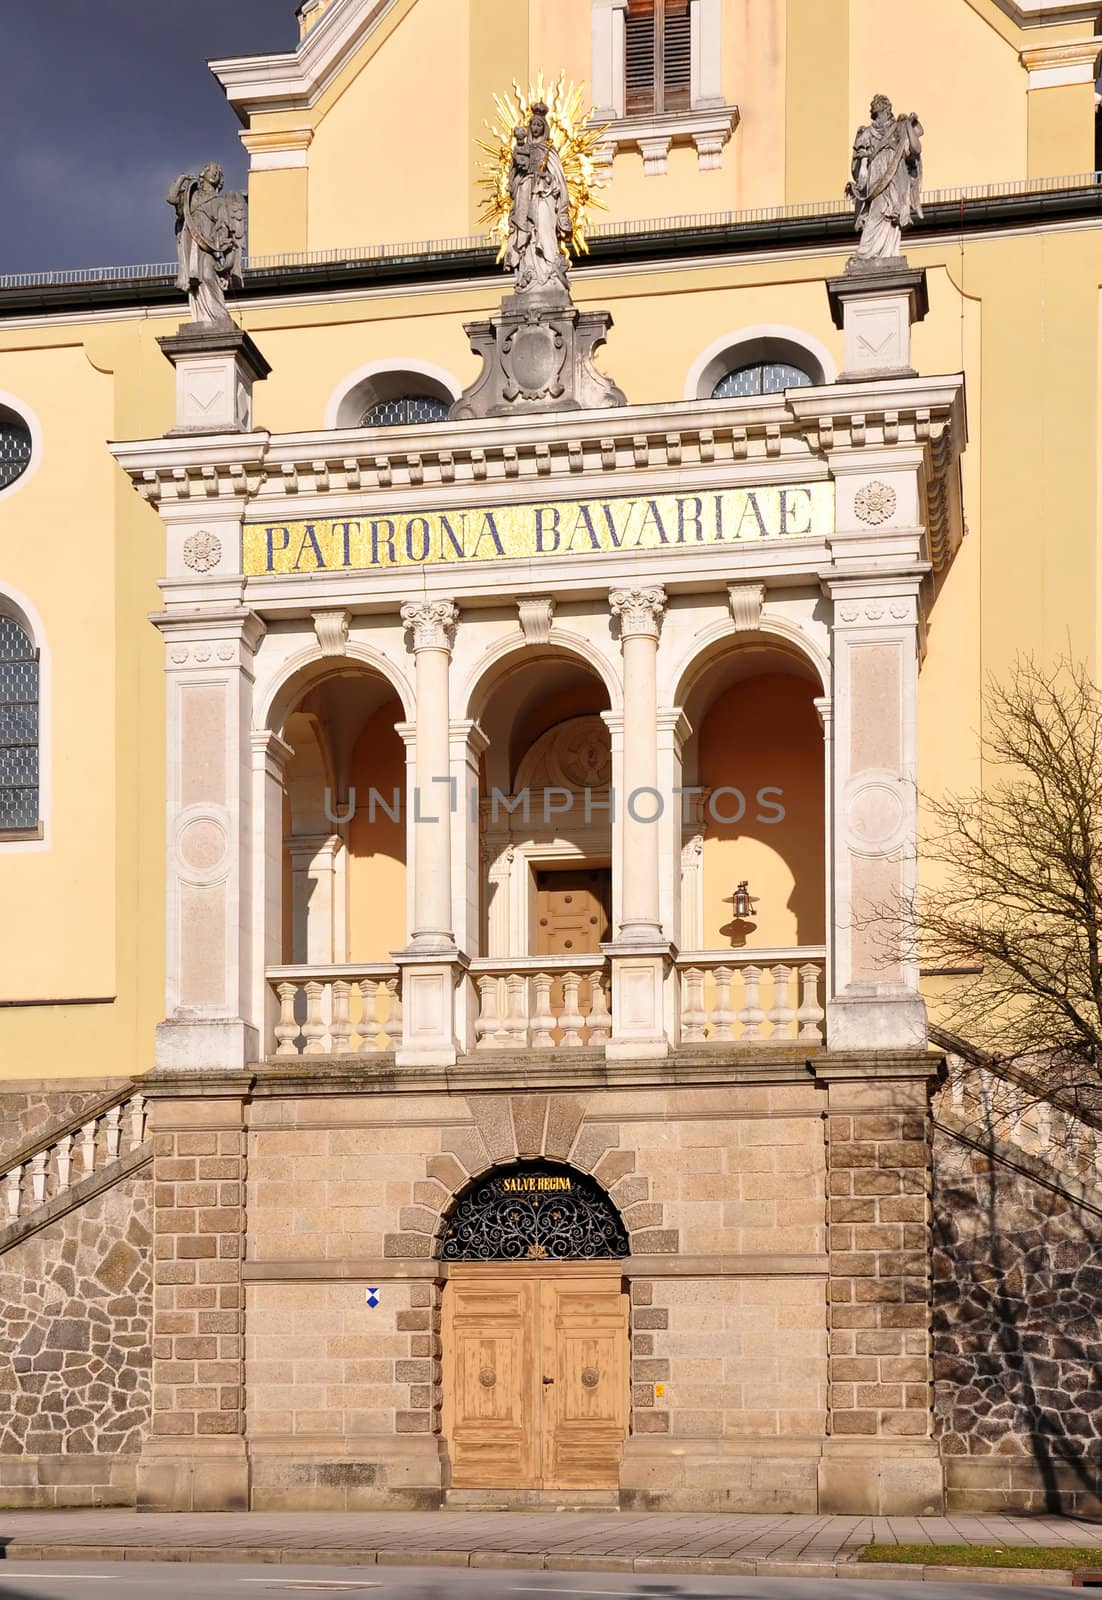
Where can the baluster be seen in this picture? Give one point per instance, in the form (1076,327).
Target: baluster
(314,1029)
(543,1020)
(114,1129)
(723,1017)
(1044,1126)
(694,1018)
(751,1016)
(64,1161)
(14,1190)
(137,1121)
(369,1015)
(810,1014)
(571,1022)
(286,1029)
(392,1027)
(488,1024)
(515,1032)
(600,1017)
(88,1148)
(38,1176)
(341,1028)
(781,1014)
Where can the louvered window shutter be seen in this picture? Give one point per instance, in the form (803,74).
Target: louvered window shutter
(677,56)
(639,57)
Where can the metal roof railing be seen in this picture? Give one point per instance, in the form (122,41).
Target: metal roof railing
(258,267)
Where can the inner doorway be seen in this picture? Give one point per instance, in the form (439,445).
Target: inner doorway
(573,910)
(535,1333)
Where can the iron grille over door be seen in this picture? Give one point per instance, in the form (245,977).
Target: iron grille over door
(658,57)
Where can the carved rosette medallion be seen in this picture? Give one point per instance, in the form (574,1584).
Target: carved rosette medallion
(590,1377)
(639,611)
(203,551)
(487,1377)
(875,503)
(430,624)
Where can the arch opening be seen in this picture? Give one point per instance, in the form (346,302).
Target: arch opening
(533,1211)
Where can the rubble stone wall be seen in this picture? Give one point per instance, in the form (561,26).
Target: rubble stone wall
(75,1356)
(1017,1330)
(30,1110)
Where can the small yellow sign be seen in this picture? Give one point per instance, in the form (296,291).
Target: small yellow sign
(668,522)
(531,1184)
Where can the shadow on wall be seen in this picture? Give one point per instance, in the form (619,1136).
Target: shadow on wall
(1017,1329)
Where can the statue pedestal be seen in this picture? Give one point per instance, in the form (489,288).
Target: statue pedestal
(217,365)
(875,305)
(537,356)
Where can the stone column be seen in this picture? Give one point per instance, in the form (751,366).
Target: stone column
(209,1022)
(641,954)
(468,744)
(430,962)
(873,1001)
(881,1458)
(194,1458)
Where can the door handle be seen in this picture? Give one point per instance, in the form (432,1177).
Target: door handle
(548,1380)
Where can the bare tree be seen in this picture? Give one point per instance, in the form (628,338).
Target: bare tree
(1018,894)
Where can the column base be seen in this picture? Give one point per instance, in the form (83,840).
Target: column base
(201,1044)
(875,303)
(193,1475)
(877,1016)
(429,982)
(640,1028)
(881,1478)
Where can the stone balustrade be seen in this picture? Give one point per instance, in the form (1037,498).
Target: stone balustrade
(337,1010)
(760,997)
(68,1158)
(1010,1110)
(541,1002)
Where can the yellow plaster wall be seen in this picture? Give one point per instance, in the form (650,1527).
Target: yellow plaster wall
(955,68)
(764,734)
(1061,129)
(818,134)
(377,846)
(279,221)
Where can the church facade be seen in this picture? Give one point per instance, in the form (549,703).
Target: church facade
(474,725)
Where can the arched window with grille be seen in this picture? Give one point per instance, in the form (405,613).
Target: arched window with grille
(19,730)
(657,57)
(760,377)
(406,410)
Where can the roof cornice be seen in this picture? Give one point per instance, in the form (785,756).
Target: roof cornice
(1048,13)
(297,80)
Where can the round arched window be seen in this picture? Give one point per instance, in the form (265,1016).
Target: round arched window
(15,446)
(405,410)
(760,377)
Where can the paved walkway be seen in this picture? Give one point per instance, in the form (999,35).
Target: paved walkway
(608,1541)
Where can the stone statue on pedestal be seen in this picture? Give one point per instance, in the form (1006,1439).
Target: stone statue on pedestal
(210,242)
(539,215)
(538,352)
(886,182)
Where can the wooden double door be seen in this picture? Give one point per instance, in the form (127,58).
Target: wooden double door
(535,1375)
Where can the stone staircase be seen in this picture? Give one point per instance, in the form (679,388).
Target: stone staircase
(70,1164)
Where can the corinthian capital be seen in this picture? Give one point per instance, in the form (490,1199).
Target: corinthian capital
(639,610)
(430,623)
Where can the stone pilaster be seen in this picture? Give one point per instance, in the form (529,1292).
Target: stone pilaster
(209,998)
(194,1458)
(881,1457)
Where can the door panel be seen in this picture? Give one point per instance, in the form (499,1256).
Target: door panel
(503,1336)
(491,1401)
(573,911)
(584,1336)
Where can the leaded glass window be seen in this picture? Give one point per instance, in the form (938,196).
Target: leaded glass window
(18,728)
(15,447)
(762,377)
(406,410)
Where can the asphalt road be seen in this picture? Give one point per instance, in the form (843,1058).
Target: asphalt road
(132,1580)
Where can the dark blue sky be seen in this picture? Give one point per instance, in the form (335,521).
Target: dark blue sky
(105,102)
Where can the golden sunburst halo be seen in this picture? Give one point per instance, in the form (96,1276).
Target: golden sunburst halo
(573,136)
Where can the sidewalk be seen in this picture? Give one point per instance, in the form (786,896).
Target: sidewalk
(760,1545)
